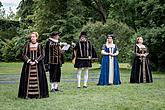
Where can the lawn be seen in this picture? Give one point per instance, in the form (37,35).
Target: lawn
(124,97)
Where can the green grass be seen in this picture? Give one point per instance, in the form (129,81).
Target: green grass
(10,68)
(124,97)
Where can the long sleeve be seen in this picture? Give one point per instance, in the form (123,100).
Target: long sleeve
(74,53)
(76,47)
(46,60)
(116,52)
(62,55)
(24,54)
(147,52)
(41,53)
(103,52)
(136,51)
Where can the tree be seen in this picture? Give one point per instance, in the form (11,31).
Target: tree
(2,11)
(99,6)
(25,8)
(8,27)
(123,37)
(66,16)
(147,18)
(138,13)
(25,12)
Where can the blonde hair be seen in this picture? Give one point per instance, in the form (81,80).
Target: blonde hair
(36,33)
(138,37)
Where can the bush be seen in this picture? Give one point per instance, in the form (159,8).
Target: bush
(123,37)
(11,49)
(155,40)
(8,29)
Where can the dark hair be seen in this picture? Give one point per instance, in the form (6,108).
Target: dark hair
(54,34)
(82,33)
(110,35)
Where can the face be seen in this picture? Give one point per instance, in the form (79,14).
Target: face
(83,38)
(140,40)
(109,39)
(33,38)
(56,37)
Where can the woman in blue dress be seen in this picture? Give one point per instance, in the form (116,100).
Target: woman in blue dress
(109,74)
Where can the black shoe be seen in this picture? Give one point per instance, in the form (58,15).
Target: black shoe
(85,86)
(57,90)
(53,90)
(78,87)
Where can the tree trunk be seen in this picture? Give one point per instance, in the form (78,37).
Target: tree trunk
(101,11)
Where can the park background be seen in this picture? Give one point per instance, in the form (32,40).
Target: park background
(124,18)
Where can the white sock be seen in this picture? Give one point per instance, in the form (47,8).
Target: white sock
(56,85)
(79,77)
(85,76)
(52,86)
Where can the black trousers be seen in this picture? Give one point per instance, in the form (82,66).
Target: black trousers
(55,72)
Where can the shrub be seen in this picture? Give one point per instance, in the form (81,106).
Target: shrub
(123,37)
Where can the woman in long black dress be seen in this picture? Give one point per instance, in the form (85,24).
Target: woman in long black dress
(33,82)
(141,71)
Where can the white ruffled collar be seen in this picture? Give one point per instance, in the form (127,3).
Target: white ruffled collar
(141,45)
(56,41)
(34,45)
(110,45)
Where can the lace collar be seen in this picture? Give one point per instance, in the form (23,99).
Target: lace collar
(56,41)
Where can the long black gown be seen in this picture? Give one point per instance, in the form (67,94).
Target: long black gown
(141,70)
(33,82)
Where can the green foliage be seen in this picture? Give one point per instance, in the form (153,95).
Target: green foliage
(1,4)
(138,13)
(146,17)
(67,17)
(1,45)
(10,15)
(123,35)
(11,49)
(8,26)
(8,29)
(155,40)
(100,7)
(50,15)
(25,12)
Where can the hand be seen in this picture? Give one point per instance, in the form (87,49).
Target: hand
(111,54)
(32,63)
(142,55)
(62,51)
